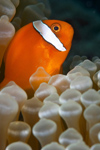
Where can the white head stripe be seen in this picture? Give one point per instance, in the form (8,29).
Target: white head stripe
(48,35)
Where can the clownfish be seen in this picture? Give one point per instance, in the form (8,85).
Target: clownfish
(43,43)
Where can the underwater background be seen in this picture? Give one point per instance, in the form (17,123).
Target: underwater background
(84,16)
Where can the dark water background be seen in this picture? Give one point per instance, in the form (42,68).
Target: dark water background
(84,16)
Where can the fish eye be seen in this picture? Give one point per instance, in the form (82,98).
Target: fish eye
(56,27)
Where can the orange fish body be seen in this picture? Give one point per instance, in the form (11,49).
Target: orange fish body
(29,50)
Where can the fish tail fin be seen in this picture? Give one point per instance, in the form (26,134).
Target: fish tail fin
(4,82)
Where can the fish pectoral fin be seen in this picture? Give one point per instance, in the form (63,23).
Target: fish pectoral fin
(57,71)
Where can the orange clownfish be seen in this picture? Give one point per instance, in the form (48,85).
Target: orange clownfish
(43,43)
